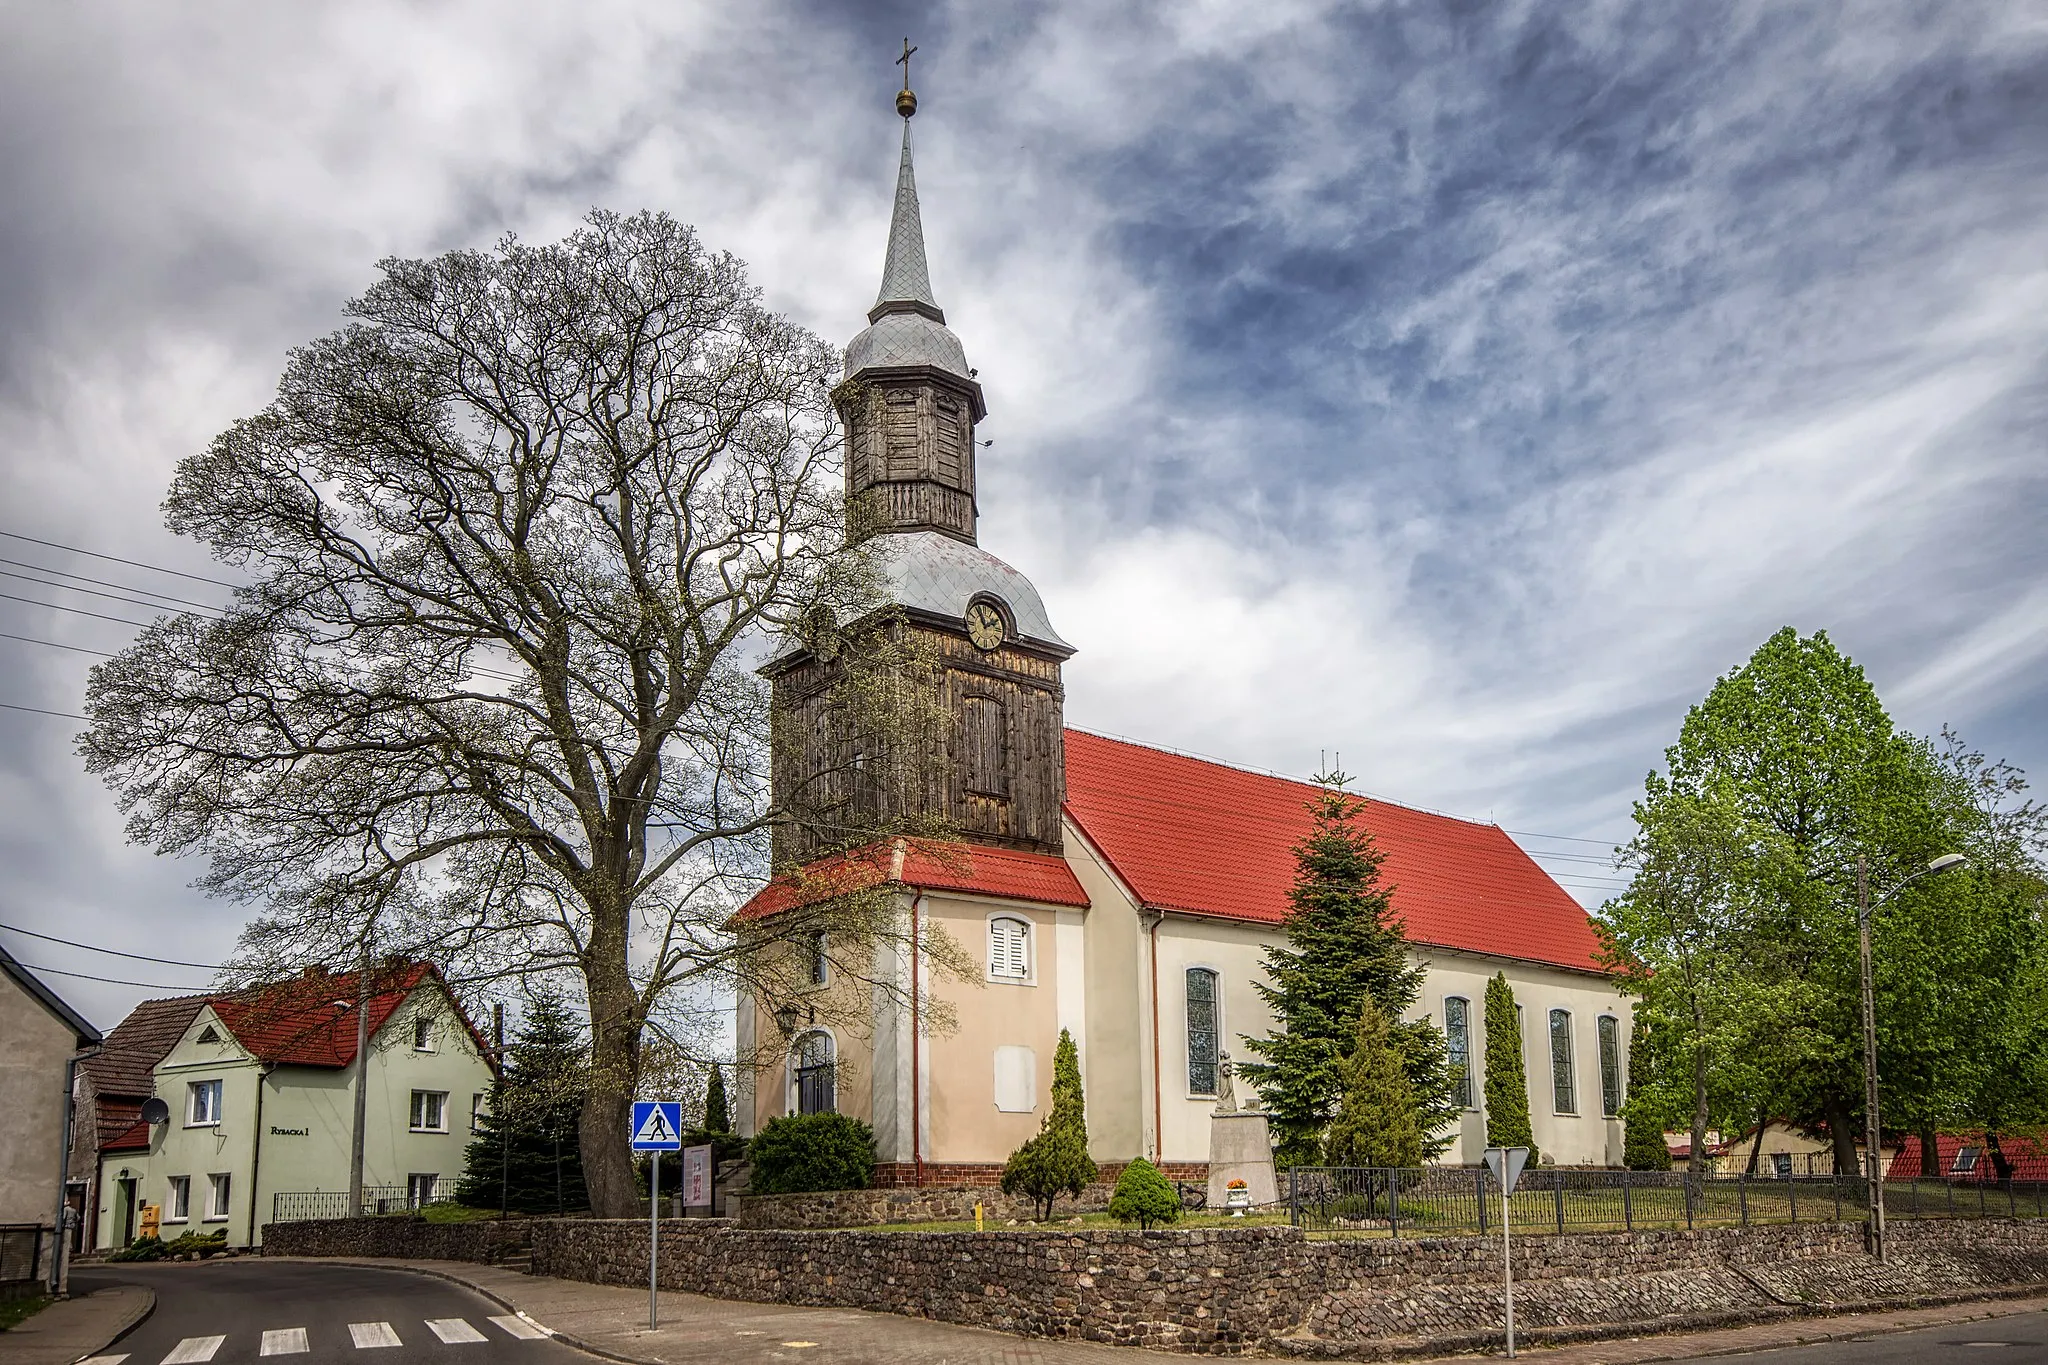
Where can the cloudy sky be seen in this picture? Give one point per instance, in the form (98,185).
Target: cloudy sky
(1458,386)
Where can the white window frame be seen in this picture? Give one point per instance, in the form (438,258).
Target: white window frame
(1027,977)
(220,1196)
(212,1090)
(1187,1038)
(421,1104)
(423,1039)
(1571,1066)
(1469,1098)
(178,1199)
(478,1108)
(415,1183)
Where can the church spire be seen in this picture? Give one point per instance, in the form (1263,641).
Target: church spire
(906,280)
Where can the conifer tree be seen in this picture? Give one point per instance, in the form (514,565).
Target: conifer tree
(1055,1161)
(525,1156)
(1378,1122)
(717,1114)
(1507,1084)
(1344,945)
(1143,1197)
(1642,1141)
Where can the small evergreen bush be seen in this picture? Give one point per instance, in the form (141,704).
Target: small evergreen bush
(1056,1161)
(1143,1196)
(1507,1084)
(807,1153)
(1642,1127)
(1378,1122)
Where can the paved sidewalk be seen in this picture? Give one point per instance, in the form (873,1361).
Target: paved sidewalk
(611,1320)
(76,1327)
(1769,1335)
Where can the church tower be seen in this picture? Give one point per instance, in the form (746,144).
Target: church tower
(909,404)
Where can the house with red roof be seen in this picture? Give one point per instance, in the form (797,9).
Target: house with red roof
(258,1092)
(1117,891)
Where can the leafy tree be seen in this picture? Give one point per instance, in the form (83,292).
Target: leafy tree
(717,1115)
(524,1156)
(1642,1143)
(1344,945)
(1055,1160)
(802,1153)
(1378,1122)
(513,542)
(1142,1196)
(1507,1082)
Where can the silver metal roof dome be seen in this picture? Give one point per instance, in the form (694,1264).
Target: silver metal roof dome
(931,571)
(907,326)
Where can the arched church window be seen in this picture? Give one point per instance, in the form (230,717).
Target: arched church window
(1458,1044)
(1204,1031)
(818,964)
(1563,1085)
(1009,948)
(812,1075)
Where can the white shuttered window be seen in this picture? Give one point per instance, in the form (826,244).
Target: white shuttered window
(1009,949)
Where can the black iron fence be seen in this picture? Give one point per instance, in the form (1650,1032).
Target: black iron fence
(21,1252)
(1463,1199)
(307,1205)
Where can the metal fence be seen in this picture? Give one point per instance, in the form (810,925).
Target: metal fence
(307,1205)
(21,1252)
(1458,1199)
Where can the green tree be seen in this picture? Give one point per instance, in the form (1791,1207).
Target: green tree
(1344,945)
(806,1153)
(1142,1196)
(524,1155)
(1642,1142)
(1507,1085)
(717,1115)
(1378,1122)
(1055,1160)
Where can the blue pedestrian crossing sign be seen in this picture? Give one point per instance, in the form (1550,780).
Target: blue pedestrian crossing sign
(657,1125)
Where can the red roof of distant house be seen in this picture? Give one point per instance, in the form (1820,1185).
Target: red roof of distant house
(2028,1157)
(925,865)
(309,1019)
(1205,838)
(120,1126)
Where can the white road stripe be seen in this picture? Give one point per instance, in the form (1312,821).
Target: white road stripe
(104,1360)
(524,1328)
(285,1341)
(193,1351)
(369,1334)
(454,1331)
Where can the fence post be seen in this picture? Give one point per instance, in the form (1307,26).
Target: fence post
(1628,1211)
(1742,1197)
(1836,1181)
(1557,1187)
(1293,1199)
(1479,1188)
(1394,1202)
(1792,1193)
(1688,1200)
(1980,1199)
(2012,1198)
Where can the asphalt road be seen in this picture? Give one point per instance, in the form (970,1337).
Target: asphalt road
(2021,1339)
(229,1312)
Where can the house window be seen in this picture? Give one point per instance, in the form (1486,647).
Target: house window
(1563,1090)
(430,1111)
(1009,948)
(817,963)
(1458,1044)
(1203,1032)
(178,1199)
(1610,1065)
(478,1108)
(419,1189)
(1781,1163)
(812,1074)
(1016,1080)
(423,1034)
(1966,1160)
(217,1190)
(209,1034)
(204,1109)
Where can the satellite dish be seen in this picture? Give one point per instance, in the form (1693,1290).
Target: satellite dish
(155,1111)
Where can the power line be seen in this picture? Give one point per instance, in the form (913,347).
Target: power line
(61,715)
(78,611)
(116,559)
(31,640)
(114,596)
(105,583)
(1574,838)
(113,952)
(113,981)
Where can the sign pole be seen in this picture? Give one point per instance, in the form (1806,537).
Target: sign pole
(653,1239)
(1507,1268)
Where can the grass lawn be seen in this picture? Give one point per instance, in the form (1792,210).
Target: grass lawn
(14,1312)
(1066,1222)
(456,1213)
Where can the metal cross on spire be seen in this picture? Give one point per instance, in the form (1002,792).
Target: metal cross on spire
(906,98)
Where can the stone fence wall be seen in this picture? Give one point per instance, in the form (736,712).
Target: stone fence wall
(929,1204)
(487,1242)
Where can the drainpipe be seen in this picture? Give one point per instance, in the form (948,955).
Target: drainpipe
(57,1279)
(263,1070)
(1158,1132)
(916,1057)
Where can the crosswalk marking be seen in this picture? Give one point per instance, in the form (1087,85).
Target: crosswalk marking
(285,1341)
(104,1360)
(523,1328)
(368,1334)
(454,1331)
(193,1351)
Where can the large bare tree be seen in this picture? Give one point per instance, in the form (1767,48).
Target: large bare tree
(515,540)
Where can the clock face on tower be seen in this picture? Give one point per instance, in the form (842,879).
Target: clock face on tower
(985,625)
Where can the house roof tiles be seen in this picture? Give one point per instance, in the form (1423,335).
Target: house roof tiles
(126,1064)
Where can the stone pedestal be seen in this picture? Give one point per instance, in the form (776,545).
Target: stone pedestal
(1241,1148)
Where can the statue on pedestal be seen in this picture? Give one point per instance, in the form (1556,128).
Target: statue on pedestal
(1226,1085)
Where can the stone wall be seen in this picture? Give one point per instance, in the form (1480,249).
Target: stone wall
(929,1204)
(899,1175)
(487,1242)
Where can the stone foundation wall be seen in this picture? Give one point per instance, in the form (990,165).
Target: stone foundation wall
(904,1175)
(929,1204)
(485,1242)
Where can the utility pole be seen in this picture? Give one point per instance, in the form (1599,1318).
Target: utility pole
(1873,1139)
(355,1141)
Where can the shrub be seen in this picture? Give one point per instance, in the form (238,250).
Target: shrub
(1507,1087)
(1378,1122)
(1143,1196)
(804,1153)
(1056,1161)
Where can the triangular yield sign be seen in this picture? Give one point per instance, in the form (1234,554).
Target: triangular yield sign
(1506,1163)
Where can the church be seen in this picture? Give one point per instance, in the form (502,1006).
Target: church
(1120,892)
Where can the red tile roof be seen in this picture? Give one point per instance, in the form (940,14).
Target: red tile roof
(1205,838)
(309,1020)
(924,865)
(120,1126)
(2028,1156)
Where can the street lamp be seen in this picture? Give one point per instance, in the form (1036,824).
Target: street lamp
(1873,1141)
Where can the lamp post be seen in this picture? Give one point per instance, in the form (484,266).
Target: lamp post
(1873,1141)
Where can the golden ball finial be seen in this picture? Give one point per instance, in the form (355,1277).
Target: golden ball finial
(906,101)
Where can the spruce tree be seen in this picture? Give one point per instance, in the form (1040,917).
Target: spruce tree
(1056,1160)
(1507,1085)
(525,1156)
(717,1114)
(1142,1196)
(1344,945)
(1642,1140)
(1378,1122)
